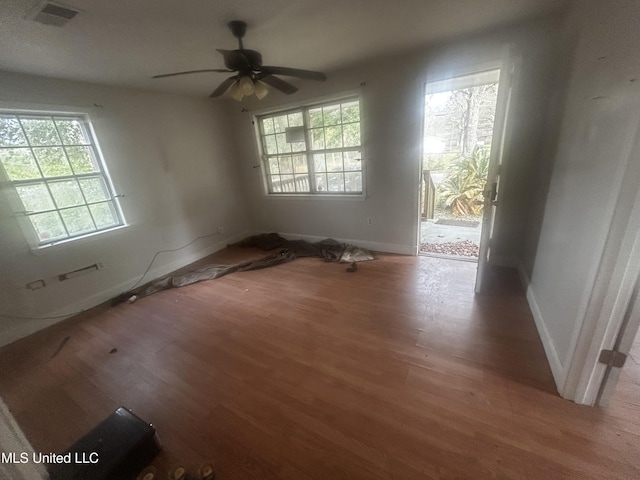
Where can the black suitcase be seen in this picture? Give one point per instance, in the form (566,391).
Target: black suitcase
(116,449)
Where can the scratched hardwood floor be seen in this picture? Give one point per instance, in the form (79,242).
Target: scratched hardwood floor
(305,371)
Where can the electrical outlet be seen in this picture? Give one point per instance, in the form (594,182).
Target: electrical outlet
(370,221)
(220,229)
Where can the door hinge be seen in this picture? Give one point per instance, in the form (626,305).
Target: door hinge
(612,358)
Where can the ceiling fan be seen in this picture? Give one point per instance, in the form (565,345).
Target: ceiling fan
(251,76)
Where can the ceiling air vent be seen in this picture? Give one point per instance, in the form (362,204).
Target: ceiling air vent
(54,14)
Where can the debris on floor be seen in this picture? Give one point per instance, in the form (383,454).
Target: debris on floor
(330,250)
(60,347)
(464,248)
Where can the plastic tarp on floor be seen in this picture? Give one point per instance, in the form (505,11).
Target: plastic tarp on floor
(330,250)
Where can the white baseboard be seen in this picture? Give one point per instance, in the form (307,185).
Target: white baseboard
(28,326)
(557,369)
(373,246)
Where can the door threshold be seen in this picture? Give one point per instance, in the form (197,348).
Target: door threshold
(459,258)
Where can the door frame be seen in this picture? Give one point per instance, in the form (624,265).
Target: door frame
(508,64)
(451,76)
(612,320)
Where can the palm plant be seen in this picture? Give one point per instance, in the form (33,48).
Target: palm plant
(462,189)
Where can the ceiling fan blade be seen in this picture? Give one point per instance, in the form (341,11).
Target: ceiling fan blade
(189,72)
(223,87)
(234,59)
(278,84)
(294,72)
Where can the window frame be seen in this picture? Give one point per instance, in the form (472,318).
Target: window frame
(308,152)
(16,203)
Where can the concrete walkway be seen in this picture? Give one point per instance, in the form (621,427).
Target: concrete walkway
(431,232)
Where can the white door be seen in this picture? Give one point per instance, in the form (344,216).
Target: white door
(492,187)
(621,349)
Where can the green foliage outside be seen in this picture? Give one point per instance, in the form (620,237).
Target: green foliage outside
(462,191)
(35,152)
(333,127)
(462,121)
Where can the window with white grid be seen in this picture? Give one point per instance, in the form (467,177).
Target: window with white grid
(313,149)
(53,165)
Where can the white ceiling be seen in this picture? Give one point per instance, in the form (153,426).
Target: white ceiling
(125,42)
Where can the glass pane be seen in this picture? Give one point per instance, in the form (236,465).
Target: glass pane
(66,193)
(318,162)
(321,183)
(283,146)
(298,146)
(315,117)
(300,164)
(317,139)
(53,161)
(270,145)
(77,220)
(286,166)
(40,131)
(287,183)
(94,189)
(333,136)
(275,183)
(35,198)
(352,161)
(82,160)
(19,163)
(331,115)
(11,134)
(71,131)
(351,134)
(295,119)
(334,162)
(48,226)
(353,182)
(273,165)
(302,183)
(336,182)
(351,112)
(280,123)
(267,126)
(104,214)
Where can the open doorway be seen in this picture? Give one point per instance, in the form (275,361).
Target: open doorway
(460,114)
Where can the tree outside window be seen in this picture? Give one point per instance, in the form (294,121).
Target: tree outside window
(52,164)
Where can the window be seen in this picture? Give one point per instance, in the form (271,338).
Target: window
(52,163)
(314,149)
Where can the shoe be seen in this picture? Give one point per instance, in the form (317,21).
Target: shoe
(206,472)
(148,473)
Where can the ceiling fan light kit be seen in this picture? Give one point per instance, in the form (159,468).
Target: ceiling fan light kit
(246,84)
(252,77)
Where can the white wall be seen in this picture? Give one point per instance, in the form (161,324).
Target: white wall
(600,120)
(392,106)
(171,158)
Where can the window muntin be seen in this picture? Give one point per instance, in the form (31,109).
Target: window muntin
(314,149)
(54,166)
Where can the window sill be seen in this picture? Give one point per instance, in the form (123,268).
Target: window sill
(74,242)
(316,197)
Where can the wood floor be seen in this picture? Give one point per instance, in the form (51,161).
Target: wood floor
(306,371)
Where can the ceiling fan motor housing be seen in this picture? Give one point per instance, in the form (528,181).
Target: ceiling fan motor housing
(238,28)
